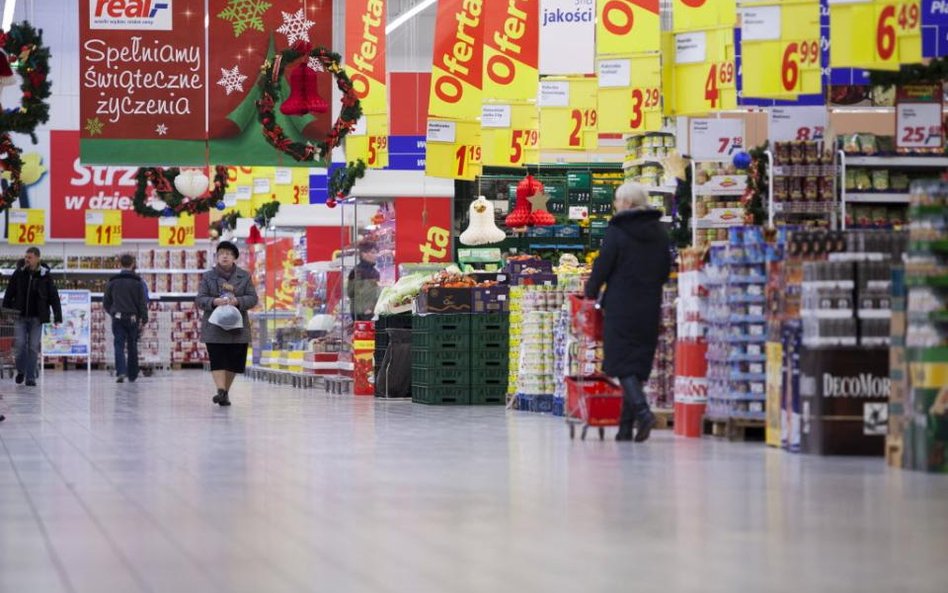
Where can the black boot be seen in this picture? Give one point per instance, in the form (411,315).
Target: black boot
(625,432)
(224,400)
(644,421)
(217,399)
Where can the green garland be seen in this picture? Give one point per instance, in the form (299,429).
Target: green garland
(176,203)
(226,222)
(757,187)
(12,163)
(342,181)
(935,72)
(265,213)
(25,44)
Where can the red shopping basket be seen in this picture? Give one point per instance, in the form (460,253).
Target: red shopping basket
(586,316)
(596,401)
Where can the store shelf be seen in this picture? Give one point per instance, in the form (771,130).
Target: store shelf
(156,295)
(628,164)
(896,161)
(714,224)
(723,193)
(878,198)
(103,271)
(925,210)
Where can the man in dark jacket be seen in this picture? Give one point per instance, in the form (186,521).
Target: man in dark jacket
(32,293)
(126,302)
(363,286)
(633,263)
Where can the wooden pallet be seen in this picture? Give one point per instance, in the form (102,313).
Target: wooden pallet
(736,429)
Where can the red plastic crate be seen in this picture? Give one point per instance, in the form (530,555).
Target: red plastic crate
(597,401)
(587,318)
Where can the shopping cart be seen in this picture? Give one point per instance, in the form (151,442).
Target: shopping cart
(591,399)
(8,319)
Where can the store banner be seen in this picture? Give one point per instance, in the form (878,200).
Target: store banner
(934,28)
(511,50)
(567,37)
(697,15)
(453,149)
(630,93)
(457,67)
(72,337)
(510,135)
(366,50)
(150,85)
(569,113)
(282,267)
(704,75)
(780,49)
(423,230)
(627,26)
(75,187)
(897,40)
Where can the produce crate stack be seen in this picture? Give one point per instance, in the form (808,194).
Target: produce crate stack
(441,359)
(489,358)
(918,421)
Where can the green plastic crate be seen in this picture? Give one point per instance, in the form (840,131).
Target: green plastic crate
(490,340)
(454,322)
(441,377)
(440,359)
(441,340)
(440,396)
(490,322)
(488,396)
(490,359)
(496,377)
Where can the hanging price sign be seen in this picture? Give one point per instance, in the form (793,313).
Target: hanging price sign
(918,117)
(27,227)
(630,94)
(627,26)
(569,115)
(716,139)
(176,231)
(789,124)
(781,49)
(104,227)
(694,15)
(369,141)
(893,33)
(510,135)
(704,77)
(453,149)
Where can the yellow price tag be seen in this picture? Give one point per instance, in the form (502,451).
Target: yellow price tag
(894,37)
(103,227)
(781,49)
(694,15)
(630,94)
(627,26)
(27,227)
(569,113)
(369,141)
(176,231)
(705,76)
(510,135)
(453,149)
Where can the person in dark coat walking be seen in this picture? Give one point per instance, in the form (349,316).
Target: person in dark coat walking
(32,293)
(126,301)
(363,286)
(634,263)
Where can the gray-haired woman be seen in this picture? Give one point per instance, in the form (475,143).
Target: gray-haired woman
(226,284)
(633,263)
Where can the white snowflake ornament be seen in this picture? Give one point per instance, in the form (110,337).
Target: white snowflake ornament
(315,64)
(295,26)
(232,80)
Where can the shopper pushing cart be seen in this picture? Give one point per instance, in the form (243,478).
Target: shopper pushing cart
(633,265)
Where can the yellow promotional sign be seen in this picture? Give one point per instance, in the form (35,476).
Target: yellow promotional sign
(453,149)
(511,50)
(705,77)
(250,187)
(176,231)
(569,113)
(369,141)
(457,72)
(104,227)
(781,49)
(893,34)
(627,26)
(510,135)
(669,92)
(27,226)
(630,93)
(695,15)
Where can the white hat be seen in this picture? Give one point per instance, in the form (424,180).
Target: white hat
(226,317)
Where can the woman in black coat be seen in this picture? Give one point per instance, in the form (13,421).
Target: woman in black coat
(633,263)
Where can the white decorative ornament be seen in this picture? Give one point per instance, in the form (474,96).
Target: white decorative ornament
(193,183)
(315,64)
(161,129)
(232,80)
(295,26)
(482,230)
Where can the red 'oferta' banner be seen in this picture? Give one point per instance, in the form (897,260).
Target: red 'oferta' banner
(424,230)
(511,50)
(365,52)
(457,66)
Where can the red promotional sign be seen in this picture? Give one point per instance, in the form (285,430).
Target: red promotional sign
(457,66)
(512,50)
(365,55)
(423,230)
(75,188)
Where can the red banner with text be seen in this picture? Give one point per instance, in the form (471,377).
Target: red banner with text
(512,50)
(365,52)
(423,230)
(457,68)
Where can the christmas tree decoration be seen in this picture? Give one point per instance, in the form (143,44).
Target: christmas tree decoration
(168,193)
(343,180)
(254,238)
(11,163)
(520,217)
(244,15)
(540,216)
(304,93)
(741,160)
(295,26)
(481,229)
(25,44)
(232,80)
(265,213)
(7,76)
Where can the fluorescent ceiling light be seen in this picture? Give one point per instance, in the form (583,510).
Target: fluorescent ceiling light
(8,7)
(407,15)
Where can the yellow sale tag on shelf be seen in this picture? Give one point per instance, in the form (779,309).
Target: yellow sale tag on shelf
(369,141)
(453,149)
(176,231)
(627,26)
(894,34)
(26,226)
(104,227)
(704,77)
(695,15)
(510,134)
(569,113)
(781,49)
(630,93)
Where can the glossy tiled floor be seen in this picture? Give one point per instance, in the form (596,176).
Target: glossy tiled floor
(148,487)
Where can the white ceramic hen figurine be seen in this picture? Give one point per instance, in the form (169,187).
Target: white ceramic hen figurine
(481,229)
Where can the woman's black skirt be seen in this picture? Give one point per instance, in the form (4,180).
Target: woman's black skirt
(228,357)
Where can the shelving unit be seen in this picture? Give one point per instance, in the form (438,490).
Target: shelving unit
(712,214)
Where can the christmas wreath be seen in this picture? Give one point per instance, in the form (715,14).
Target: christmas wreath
(174,202)
(10,161)
(342,180)
(23,45)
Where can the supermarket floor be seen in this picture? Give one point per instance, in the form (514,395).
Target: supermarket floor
(148,487)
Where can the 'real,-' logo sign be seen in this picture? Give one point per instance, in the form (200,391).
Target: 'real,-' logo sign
(145,15)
